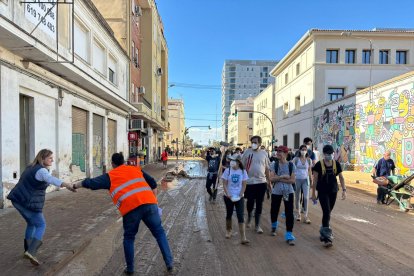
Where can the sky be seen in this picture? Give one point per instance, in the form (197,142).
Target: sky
(202,34)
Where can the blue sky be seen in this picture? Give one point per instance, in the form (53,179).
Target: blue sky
(201,34)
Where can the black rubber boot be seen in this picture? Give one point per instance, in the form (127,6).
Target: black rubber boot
(26,245)
(32,251)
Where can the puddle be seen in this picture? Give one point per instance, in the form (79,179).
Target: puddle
(195,169)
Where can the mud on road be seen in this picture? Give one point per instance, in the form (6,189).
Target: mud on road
(370,239)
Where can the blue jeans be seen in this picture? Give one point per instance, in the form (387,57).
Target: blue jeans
(149,214)
(36,224)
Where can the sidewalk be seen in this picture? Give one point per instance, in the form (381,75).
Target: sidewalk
(73,220)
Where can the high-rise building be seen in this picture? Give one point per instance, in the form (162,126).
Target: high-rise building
(242,79)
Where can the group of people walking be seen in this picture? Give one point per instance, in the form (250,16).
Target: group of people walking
(248,176)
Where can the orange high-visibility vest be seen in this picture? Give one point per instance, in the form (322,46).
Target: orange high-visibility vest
(129,188)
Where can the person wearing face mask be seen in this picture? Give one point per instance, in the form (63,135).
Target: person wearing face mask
(324,175)
(308,142)
(303,179)
(257,165)
(283,177)
(234,185)
(213,165)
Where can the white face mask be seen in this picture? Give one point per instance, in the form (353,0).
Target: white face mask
(303,152)
(328,157)
(233,164)
(308,146)
(255,146)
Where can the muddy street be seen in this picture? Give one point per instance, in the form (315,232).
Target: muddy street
(370,239)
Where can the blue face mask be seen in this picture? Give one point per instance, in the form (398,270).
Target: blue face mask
(328,157)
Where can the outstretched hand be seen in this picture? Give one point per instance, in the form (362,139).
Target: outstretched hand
(68,186)
(77,184)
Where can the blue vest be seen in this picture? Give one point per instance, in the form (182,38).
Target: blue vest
(29,192)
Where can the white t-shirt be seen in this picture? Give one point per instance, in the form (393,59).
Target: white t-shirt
(302,170)
(256,162)
(235,179)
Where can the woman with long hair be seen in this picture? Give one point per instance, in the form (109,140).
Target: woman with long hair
(303,165)
(28,197)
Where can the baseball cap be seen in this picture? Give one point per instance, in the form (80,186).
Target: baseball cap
(283,149)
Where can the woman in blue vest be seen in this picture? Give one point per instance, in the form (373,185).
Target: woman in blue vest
(28,197)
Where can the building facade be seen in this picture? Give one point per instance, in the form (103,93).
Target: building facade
(70,98)
(327,65)
(363,126)
(241,122)
(242,79)
(264,103)
(177,123)
(139,29)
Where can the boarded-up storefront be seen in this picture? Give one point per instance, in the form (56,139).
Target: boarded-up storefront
(97,145)
(79,141)
(111,141)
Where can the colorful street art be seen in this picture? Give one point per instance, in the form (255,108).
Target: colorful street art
(386,123)
(360,133)
(337,127)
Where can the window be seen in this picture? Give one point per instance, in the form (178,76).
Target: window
(336,93)
(296,142)
(285,140)
(366,56)
(297,69)
(286,78)
(331,56)
(82,41)
(297,104)
(99,57)
(250,115)
(401,57)
(350,56)
(136,58)
(285,109)
(383,56)
(112,69)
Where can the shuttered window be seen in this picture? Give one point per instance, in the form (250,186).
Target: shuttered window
(97,145)
(111,141)
(82,45)
(99,57)
(79,140)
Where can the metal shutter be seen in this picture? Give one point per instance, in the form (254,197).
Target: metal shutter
(111,140)
(97,145)
(79,138)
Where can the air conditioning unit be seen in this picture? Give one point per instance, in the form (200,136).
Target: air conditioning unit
(137,124)
(138,11)
(141,90)
(159,71)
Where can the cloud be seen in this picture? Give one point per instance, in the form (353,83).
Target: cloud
(202,136)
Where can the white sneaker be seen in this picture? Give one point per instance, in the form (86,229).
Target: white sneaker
(298,217)
(259,230)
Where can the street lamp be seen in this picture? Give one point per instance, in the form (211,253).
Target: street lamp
(349,34)
(270,120)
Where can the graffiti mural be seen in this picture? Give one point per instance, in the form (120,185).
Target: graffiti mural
(386,123)
(337,127)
